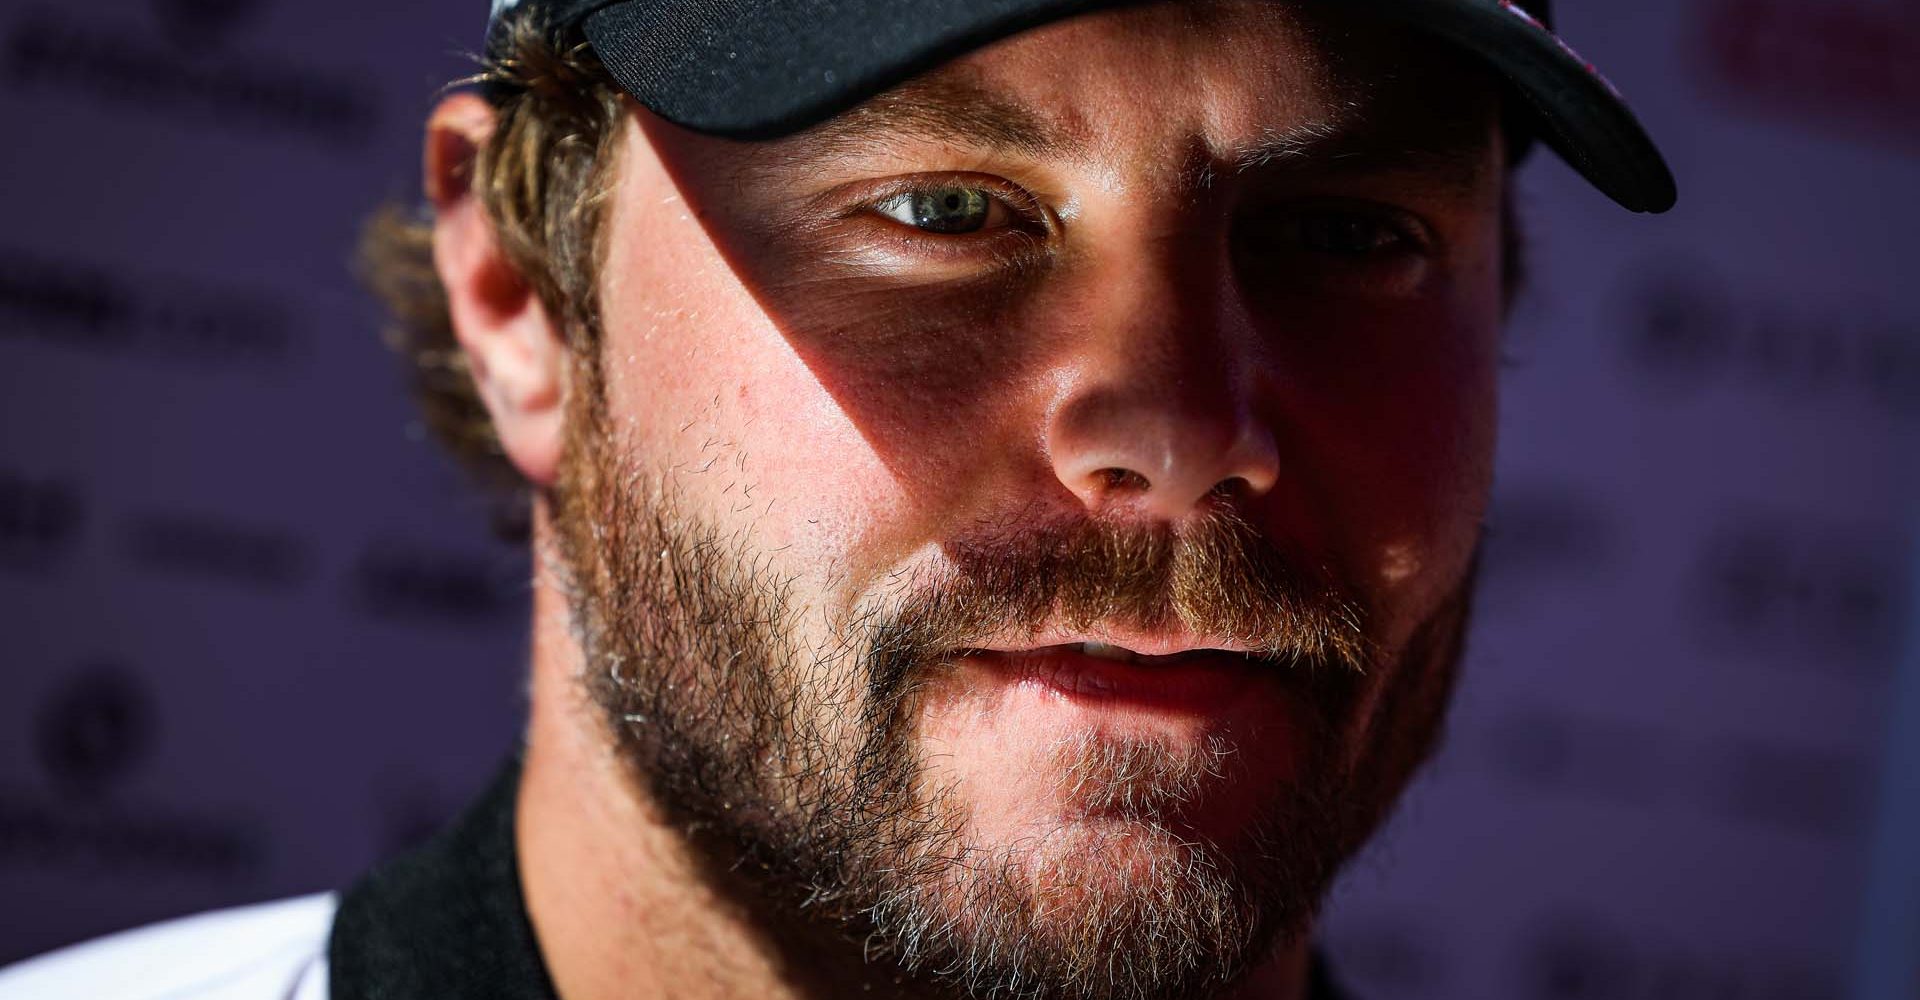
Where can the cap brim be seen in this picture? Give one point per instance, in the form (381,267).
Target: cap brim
(1575,110)
(761,69)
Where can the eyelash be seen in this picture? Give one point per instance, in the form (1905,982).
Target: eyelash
(1410,235)
(1017,243)
(1030,219)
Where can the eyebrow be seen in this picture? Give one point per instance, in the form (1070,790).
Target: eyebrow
(941,109)
(1454,154)
(936,110)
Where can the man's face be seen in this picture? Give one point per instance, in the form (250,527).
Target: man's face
(1029,518)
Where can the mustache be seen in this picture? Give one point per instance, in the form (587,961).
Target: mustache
(1214,576)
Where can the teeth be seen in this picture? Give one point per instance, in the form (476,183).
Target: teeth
(1105,652)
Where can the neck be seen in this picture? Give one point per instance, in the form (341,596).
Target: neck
(622,904)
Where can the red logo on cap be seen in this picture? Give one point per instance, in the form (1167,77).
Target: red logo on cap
(1520,12)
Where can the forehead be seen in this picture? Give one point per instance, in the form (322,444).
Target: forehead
(1249,79)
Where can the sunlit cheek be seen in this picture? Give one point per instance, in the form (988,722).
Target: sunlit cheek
(883,386)
(711,400)
(933,377)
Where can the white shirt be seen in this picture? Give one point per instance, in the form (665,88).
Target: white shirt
(269,951)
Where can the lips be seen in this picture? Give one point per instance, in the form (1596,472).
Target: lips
(1190,681)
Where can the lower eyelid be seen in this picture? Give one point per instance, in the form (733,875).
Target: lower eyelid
(907,247)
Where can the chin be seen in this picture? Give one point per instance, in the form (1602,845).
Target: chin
(1088,909)
(1090,862)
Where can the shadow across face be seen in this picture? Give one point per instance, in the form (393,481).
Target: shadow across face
(1246,247)
(1152,232)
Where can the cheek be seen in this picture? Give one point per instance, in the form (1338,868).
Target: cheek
(932,379)
(810,440)
(1392,423)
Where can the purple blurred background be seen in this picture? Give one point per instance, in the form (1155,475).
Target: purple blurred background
(257,637)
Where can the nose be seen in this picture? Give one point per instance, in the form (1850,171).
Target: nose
(1155,412)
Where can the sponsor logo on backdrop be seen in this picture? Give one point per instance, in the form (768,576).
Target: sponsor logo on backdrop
(194,23)
(1835,65)
(1806,790)
(1684,332)
(40,521)
(402,580)
(1813,792)
(1573,955)
(95,729)
(92,735)
(1782,592)
(1545,529)
(205,547)
(1579,755)
(89,308)
(187,68)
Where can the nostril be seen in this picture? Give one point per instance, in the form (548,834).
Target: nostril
(1118,480)
(1232,488)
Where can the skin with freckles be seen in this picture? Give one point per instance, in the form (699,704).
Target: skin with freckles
(1171,328)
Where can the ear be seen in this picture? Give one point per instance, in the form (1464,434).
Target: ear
(513,348)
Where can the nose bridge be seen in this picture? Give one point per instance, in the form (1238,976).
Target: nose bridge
(1156,409)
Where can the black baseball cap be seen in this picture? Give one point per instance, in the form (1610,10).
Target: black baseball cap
(761,69)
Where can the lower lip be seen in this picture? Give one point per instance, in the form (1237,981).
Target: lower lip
(1205,684)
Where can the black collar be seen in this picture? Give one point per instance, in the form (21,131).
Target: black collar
(445,921)
(449,921)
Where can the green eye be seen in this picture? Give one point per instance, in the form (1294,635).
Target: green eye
(949,210)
